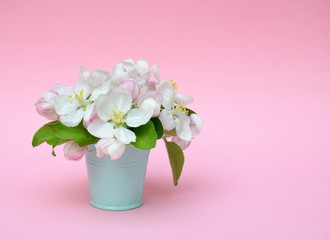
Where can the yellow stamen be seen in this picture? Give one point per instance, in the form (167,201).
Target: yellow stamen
(175,86)
(180,109)
(117,116)
(78,96)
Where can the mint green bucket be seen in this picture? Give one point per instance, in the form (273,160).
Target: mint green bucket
(117,184)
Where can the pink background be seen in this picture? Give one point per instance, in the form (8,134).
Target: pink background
(260,75)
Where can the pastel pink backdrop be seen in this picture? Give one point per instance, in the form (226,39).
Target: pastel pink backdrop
(260,75)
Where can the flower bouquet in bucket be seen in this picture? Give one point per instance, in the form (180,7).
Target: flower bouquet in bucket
(118,117)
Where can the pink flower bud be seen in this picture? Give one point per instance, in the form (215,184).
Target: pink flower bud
(72,151)
(45,106)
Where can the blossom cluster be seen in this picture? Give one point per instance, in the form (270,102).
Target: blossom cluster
(110,106)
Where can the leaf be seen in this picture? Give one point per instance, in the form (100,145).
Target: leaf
(190,111)
(55,133)
(78,133)
(146,136)
(176,158)
(45,134)
(158,127)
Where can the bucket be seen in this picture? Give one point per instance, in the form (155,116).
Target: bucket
(117,184)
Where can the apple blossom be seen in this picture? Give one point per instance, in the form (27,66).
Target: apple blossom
(174,116)
(78,102)
(128,69)
(96,78)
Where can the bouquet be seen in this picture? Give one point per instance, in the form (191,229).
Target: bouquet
(132,106)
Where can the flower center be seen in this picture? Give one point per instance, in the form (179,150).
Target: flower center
(117,117)
(179,108)
(175,86)
(78,96)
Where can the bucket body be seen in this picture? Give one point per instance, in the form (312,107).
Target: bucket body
(117,184)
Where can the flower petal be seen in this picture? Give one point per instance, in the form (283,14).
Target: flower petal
(183,99)
(140,116)
(100,129)
(167,119)
(152,85)
(196,124)
(104,88)
(130,60)
(55,88)
(80,85)
(182,127)
(73,119)
(98,77)
(64,105)
(84,73)
(129,85)
(143,79)
(64,91)
(72,151)
(124,135)
(120,100)
(122,71)
(166,89)
(182,144)
(49,97)
(136,93)
(157,96)
(154,69)
(110,146)
(46,108)
(142,66)
(88,112)
(116,150)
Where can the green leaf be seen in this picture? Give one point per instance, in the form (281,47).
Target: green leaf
(176,158)
(78,133)
(158,127)
(45,134)
(146,136)
(55,133)
(190,111)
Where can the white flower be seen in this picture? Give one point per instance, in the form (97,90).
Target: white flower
(174,116)
(196,124)
(147,103)
(128,69)
(115,112)
(77,103)
(112,110)
(95,78)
